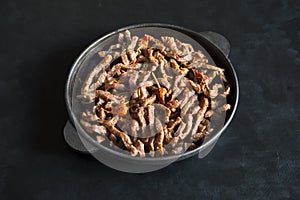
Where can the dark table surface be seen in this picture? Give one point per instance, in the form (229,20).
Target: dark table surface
(257,157)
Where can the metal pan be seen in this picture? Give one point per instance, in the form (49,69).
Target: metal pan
(216,46)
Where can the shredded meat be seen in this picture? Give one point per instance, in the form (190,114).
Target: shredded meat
(173,95)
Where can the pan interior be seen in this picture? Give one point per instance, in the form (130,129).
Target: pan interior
(90,58)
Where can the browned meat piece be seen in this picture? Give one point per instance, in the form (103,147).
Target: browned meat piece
(133,43)
(151,118)
(200,115)
(134,128)
(185,97)
(158,124)
(201,127)
(167,111)
(173,103)
(131,66)
(116,69)
(223,78)
(204,105)
(144,140)
(160,58)
(142,119)
(184,71)
(144,92)
(208,113)
(195,86)
(125,59)
(150,100)
(164,82)
(151,58)
(177,150)
(197,123)
(167,134)
(151,143)
(175,56)
(145,76)
(142,59)
(201,78)
(110,50)
(174,123)
(220,70)
(140,147)
(175,65)
(212,76)
(175,94)
(120,109)
(108,106)
(143,42)
(100,138)
(170,43)
(86,89)
(214,92)
(113,138)
(195,110)
(101,130)
(159,139)
(133,56)
(211,67)
(189,104)
(101,114)
(136,93)
(198,55)
(93,128)
(174,142)
(177,79)
(120,38)
(108,96)
(227,90)
(111,122)
(188,127)
(192,146)
(156,43)
(180,129)
(163,72)
(199,135)
(226,107)
(214,104)
(110,84)
(127,35)
(125,138)
(183,84)
(124,123)
(99,103)
(206,122)
(89,117)
(184,47)
(133,150)
(133,80)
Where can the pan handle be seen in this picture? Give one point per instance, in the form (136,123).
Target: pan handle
(75,141)
(218,40)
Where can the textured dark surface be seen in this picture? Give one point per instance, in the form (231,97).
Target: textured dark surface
(258,156)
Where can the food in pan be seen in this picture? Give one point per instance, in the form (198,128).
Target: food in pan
(153,96)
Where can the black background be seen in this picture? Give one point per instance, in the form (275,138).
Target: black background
(257,157)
